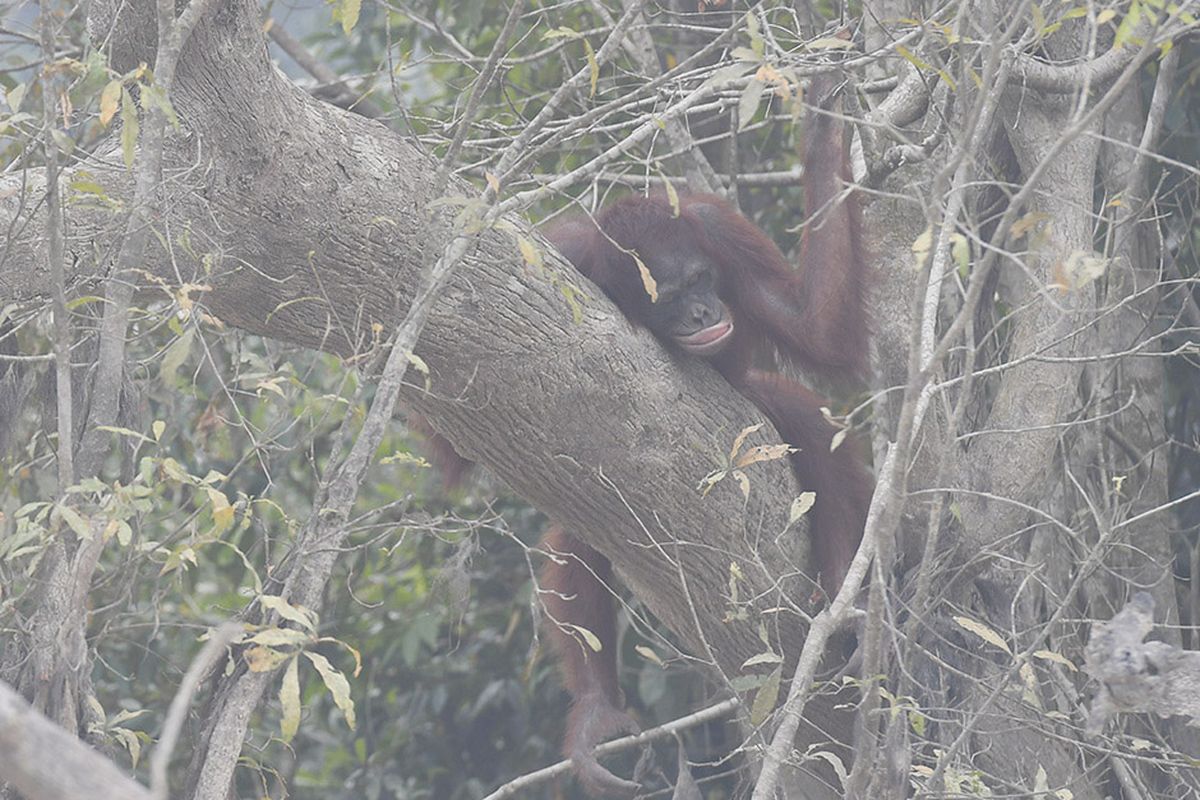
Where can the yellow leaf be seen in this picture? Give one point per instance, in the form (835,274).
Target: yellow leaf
(648,281)
(763,452)
(672,197)
(1028,222)
(530,252)
(1078,270)
(297,614)
(591,639)
(129,128)
(348,13)
(110,101)
(593,66)
(280,637)
(337,685)
(222,512)
(740,439)
(264,659)
(912,58)
(801,506)
(649,654)
(710,480)
(122,432)
(983,632)
(1057,658)
(289,700)
(492,181)
(960,250)
(922,246)
(743,482)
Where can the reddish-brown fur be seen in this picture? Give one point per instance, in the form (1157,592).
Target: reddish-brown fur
(813,316)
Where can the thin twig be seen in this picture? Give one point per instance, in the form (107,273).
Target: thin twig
(216,644)
(666,730)
(356,102)
(486,75)
(54,232)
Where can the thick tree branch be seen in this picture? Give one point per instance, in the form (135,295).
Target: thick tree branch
(45,762)
(313,221)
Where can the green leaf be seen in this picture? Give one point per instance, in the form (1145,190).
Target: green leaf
(176,354)
(960,250)
(756,39)
(572,295)
(347,12)
(175,471)
(763,658)
(131,742)
(153,97)
(14,95)
(742,54)
(729,73)
(1039,19)
(1128,25)
(562,32)
(75,521)
(593,67)
(62,142)
(766,698)
(749,102)
(337,685)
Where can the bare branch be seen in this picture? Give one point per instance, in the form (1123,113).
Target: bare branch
(45,762)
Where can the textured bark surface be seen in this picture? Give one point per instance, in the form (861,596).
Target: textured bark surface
(45,762)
